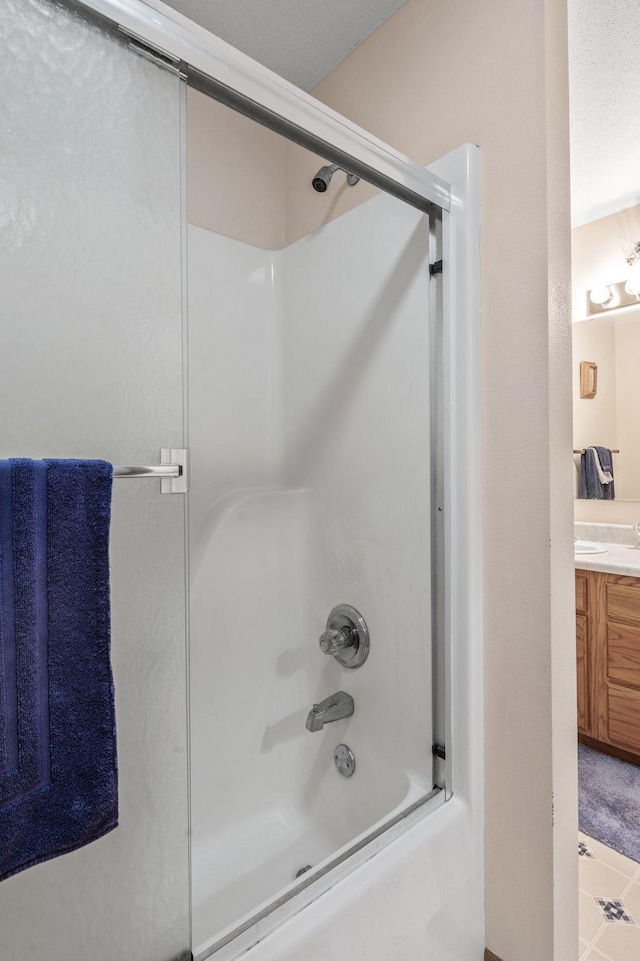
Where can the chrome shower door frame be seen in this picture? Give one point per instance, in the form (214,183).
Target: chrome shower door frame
(231,77)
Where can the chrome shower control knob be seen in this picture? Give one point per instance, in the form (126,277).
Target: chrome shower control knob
(346,636)
(333,641)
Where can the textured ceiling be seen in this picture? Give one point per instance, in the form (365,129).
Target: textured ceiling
(301,40)
(604,80)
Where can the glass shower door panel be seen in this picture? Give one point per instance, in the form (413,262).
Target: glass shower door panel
(91,228)
(319,496)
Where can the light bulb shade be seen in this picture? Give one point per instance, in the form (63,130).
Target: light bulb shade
(632,285)
(600,294)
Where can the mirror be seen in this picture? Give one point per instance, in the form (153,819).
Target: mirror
(611,417)
(606,347)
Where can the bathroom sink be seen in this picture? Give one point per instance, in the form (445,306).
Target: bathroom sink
(589,547)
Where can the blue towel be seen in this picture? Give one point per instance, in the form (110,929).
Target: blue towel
(58,769)
(606,462)
(591,487)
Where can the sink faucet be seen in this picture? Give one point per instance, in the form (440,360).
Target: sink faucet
(333,708)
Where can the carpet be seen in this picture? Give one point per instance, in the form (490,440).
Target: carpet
(609,801)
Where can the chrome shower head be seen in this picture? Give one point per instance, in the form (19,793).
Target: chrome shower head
(323,178)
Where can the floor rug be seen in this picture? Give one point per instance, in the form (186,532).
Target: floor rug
(609,801)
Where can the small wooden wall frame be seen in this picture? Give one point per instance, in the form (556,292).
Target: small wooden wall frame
(588,379)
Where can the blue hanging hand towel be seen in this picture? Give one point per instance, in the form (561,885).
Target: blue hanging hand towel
(593,462)
(58,768)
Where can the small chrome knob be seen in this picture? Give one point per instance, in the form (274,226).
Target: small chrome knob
(346,636)
(334,641)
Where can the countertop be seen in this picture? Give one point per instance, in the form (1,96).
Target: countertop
(619,559)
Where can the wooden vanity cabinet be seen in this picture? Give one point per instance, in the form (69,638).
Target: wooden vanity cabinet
(608,662)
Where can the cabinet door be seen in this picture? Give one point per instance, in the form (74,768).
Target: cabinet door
(617,623)
(583,673)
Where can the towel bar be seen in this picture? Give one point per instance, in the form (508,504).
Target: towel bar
(153,470)
(173,470)
(583,449)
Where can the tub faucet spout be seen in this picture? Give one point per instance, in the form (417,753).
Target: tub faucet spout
(333,708)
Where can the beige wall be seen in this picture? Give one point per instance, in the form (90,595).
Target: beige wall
(612,418)
(436,75)
(235,174)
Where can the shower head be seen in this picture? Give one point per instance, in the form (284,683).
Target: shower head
(323,178)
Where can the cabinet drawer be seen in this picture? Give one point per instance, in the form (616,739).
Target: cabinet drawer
(624,718)
(582,593)
(623,654)
(623,601)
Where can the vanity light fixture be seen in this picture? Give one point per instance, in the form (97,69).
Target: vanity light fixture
(626,293)
(605,297)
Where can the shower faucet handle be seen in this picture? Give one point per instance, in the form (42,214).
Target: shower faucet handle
(346,636)
(333,641)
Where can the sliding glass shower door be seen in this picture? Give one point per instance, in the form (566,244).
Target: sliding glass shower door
(91,235)
(316,434)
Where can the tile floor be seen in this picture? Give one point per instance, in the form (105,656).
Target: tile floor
(609,903)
